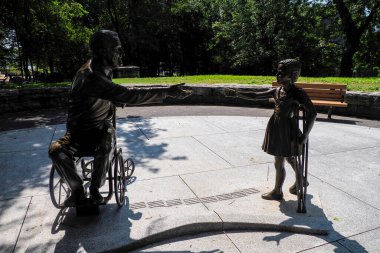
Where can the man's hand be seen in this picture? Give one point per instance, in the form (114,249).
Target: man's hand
(179,91)
(228,92)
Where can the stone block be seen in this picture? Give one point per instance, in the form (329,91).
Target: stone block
(127,71)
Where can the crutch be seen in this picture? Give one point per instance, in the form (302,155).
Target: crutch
(305,157)
(302,163)
(299,182)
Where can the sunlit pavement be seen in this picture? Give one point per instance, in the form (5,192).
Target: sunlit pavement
(197,188)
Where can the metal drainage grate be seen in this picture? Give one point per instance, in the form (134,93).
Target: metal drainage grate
(192,201)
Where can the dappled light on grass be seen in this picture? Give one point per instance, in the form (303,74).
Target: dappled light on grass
(369,84)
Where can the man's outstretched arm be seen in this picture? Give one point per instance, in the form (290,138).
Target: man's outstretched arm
(102,87)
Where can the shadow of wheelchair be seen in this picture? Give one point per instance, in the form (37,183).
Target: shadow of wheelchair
(109,229)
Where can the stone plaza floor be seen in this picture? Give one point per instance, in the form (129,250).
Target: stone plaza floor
(197,187)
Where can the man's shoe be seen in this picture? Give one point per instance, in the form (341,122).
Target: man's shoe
(96,197)
(74,200)
(70,201)
(272,196)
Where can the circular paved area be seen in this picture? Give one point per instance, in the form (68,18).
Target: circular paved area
(199,174)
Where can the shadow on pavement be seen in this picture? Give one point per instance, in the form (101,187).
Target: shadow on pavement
(143,151)
(111,228)
(287,207)
(179,239)
(340,121)
(30,119)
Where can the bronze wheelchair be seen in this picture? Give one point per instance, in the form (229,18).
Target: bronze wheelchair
(119,173)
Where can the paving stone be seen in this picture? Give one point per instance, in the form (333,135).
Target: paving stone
(365,242)
(12,213)
(328,138)
(172,156)
(238,124)
(280,242)
(230,180)
(239,149)
(327,248)
(354,172)
(160,128)
(24,173)
(128,131)
(201,243)
(27,139)
(347,214)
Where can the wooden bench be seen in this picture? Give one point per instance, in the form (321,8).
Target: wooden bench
(324,94)
(3,78)
(18,80)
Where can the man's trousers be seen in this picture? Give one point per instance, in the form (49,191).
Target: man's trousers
(97,143)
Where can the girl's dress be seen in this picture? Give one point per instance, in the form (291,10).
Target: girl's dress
(281,133)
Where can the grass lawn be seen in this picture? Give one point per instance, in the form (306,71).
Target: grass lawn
(369,84)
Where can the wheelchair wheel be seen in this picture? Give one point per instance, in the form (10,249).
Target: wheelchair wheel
(129,168)
(59,190)
(119,179)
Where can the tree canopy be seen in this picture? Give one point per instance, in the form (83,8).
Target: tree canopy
(329,37)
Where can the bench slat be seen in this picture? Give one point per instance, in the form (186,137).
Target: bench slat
(327,96)
(322,94)
(323,102)
(329,103)
(328,91)
(325,93)
(317,85)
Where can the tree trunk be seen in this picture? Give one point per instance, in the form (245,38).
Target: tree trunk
(346,64)
(33,74)
(351,47)
(19,54)
(51,65)
(353,35)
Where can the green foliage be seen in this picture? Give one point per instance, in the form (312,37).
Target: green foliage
(63,36)
(49,35)
(192,36)
(68,15)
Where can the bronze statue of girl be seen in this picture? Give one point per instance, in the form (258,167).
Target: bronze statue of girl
(282,138)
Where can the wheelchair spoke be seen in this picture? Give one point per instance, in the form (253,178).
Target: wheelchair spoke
(65,189)
(58,189)
(56,185)
(59,195)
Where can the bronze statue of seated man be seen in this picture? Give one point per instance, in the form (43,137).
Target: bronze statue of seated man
(91,111)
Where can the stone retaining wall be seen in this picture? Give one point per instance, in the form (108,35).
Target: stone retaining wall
(29,99)
(360,104)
